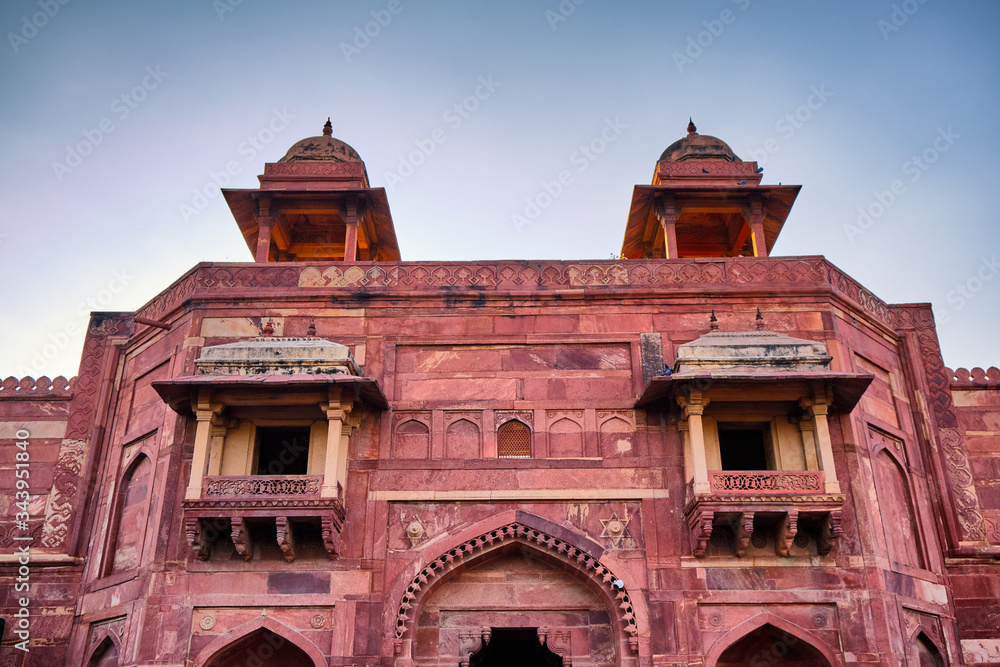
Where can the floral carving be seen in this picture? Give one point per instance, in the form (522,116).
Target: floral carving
(756,482)
(59,508)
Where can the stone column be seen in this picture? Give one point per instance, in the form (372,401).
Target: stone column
(264,239)
(352,216)
(808,430)
(337,437)
(206,414)
(757,228)
(824,446)
(694,408)
(666,213)
(217,437)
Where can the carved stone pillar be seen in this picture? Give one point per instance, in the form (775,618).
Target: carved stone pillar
(217,436)
(666,213)
(337,439)
(808,430)
(694,408)
(824,446)
(757,228)
(206,412)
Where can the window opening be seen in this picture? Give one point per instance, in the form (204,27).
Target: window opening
(514,440)
(744,446)
(282,451)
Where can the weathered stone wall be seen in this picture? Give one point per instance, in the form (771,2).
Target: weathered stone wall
(459,349)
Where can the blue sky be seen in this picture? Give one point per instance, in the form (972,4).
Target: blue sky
(118,118)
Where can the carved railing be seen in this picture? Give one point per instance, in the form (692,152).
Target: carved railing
(755,482)
(258,486)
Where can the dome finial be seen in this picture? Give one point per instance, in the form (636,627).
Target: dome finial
(691,128)
(328,128)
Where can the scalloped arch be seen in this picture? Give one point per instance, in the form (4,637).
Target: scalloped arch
(529,530)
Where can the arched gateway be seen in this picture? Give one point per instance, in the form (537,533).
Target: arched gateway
(516,589)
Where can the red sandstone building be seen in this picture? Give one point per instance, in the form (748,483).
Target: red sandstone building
(698,455)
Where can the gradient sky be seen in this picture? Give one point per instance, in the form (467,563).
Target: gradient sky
(116,115)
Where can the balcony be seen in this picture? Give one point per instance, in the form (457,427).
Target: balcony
(791,507)
(251,508)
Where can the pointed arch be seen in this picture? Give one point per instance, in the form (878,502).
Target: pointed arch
(412,440)
(462,440)
(514,440)
(565,439)
(759,621)
(571,550)
(899,521)
(129,518)
(230,638)
(926,652)
(106,654)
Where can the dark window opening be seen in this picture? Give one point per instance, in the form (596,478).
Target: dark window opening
(515,646)
(282,451)
(514,440)
(744,447)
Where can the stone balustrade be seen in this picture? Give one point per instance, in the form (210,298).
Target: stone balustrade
(756,482)
(261,486)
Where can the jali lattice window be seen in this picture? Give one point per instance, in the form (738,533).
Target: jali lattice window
(514,440)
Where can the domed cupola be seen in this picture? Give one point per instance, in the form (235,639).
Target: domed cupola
(705,201)
(316,204)
(323,147)
(698,147)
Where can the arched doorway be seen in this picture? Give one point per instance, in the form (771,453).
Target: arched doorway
(927,654)
(522,605)
(768,645)
(261,648)
(105,655)
(515,646)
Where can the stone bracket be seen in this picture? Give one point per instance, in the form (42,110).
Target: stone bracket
(704,514)
(558,641)
(286,537)
(472,642)
(743,529)
(785,535)
(196,538)
(242,538)
(829,533)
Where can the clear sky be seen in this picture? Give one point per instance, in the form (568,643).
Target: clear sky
(119,117)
